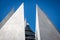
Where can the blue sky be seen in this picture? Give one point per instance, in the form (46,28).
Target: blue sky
(30,13)
(50,7)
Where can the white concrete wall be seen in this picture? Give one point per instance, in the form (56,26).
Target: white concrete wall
(14,29)
(46,28)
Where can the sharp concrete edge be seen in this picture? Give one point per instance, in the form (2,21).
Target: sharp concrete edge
(37,33)
(46,28)
(6,18)
(14,28)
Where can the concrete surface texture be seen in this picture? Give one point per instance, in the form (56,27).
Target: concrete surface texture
(13,29)
(46,29)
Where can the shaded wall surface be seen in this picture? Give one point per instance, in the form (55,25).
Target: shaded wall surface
(47,29)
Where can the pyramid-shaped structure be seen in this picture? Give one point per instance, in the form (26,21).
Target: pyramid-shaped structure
(29,34)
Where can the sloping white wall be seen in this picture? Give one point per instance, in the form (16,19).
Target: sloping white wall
(46,28)
(14,27)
